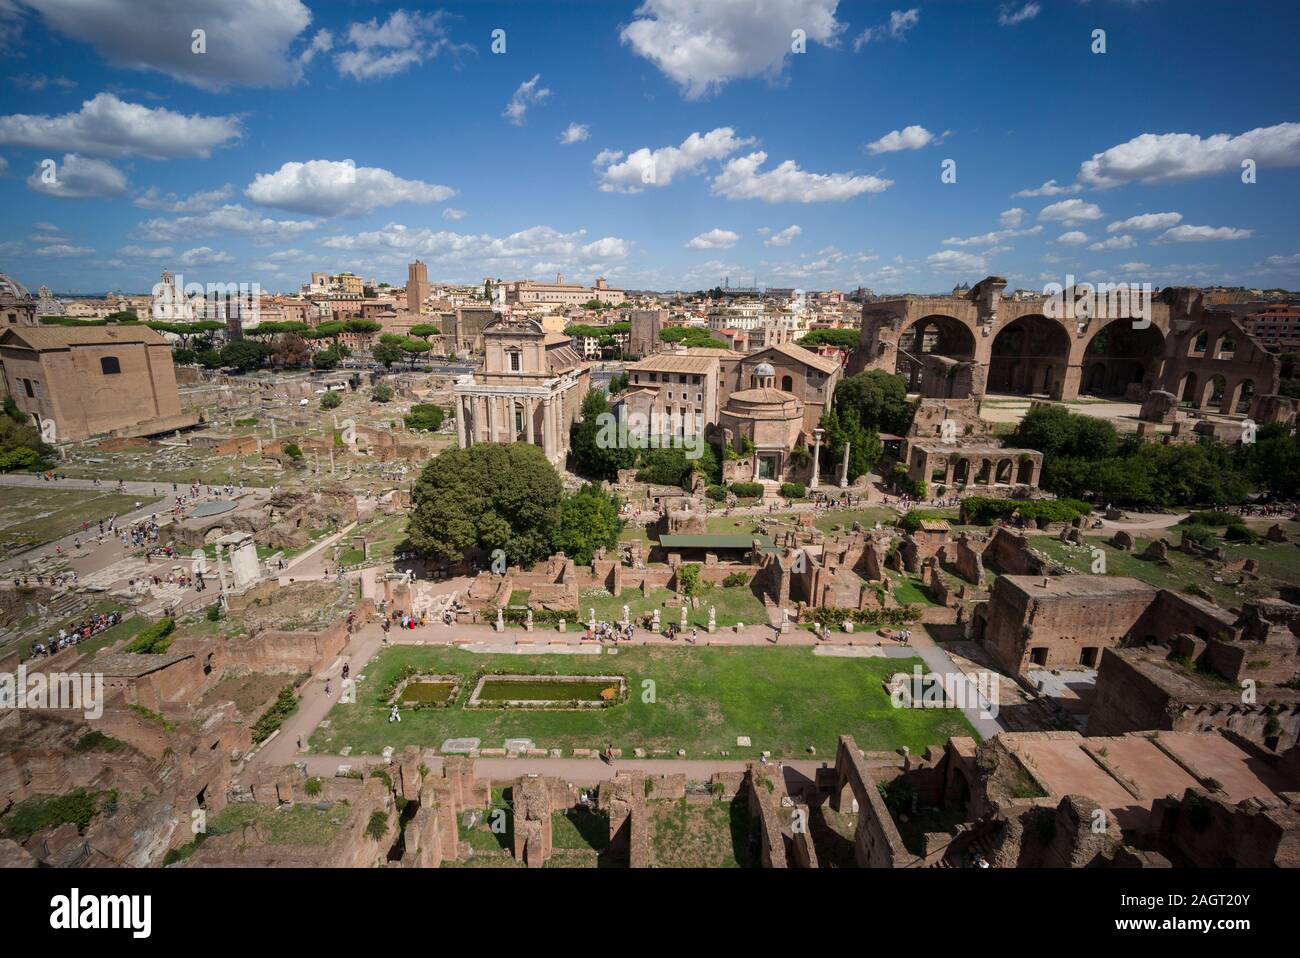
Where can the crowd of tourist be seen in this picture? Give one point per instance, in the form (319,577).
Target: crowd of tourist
(77,633)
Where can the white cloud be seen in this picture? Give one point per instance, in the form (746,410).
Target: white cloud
(786,183)
(4,165)
(527,94)
(1201,234)
(646,167)
(78,178)
(900,21)
(1011,218)
(1049,189)
(908,138)
(1009,15)
(1070,211)
(702,46)
(471,256)
(153,199)
(1072,238)
(339,187)
(1289,263)
(1146,221)
(955,261)
(783,238)
(247,41)
(451,213)
(36,82)
(575,133)
(147,252)
(990,238)
(1134,267)
(204,256)
(714,239)
(402,41)
(1115,242)
(107,126)
(231,218)
(1170,157)
(64,250)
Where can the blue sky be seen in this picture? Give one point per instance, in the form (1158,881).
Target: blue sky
(699,145)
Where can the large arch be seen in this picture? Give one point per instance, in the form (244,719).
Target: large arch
(1030,356)
(936,335)
(1118,355)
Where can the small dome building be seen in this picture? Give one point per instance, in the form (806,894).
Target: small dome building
(17,305)
(770,418)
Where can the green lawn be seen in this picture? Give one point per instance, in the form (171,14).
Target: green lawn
(733,605)
(784,699)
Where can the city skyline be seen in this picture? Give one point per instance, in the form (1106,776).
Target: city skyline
(358,138)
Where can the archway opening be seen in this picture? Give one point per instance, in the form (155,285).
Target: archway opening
(1030,357)
(1119,355)
(931,336)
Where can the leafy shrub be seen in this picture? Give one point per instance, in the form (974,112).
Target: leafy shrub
(286,703)
(377,825)
(331,400)
(747,490)
(985,511)
(735,580)
(1241,534)
(912,521)
(153,639)
(688,579)
(1217,519)
(313,786)
(716,493)
(793,490)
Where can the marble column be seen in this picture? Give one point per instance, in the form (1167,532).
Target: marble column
(546,427)
(460,421)
(817,458)
(529,409)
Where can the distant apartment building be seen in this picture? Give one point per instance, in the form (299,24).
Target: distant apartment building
(527,292)
(348,283)
(1275,325)
(462,328)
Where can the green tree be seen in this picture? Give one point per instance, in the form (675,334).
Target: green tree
(877,399)
(387,353)
(382,393)
(588,521)
(244,354)
(487,497)
(598,451)
(331,400)
(425,417)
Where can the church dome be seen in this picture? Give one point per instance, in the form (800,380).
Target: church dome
(763,370)
(11,287)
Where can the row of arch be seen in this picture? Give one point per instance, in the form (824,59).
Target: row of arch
(957,470)
(1216,393)
(1031,355)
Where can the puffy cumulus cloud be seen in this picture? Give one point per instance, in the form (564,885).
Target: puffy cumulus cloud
(154,199)
(955,261)
(1010,219)
(575,133)
(526,94)
(900,22)
(714,239)
(1070,211)
(107,126)
(248,42)
(1170,157)
(785,237)
(405,39)
(703,46)
(646,167)
(78,178)
(231,218)
(339,187)
(467,255)
(1203,234)
(740,179)
(1146,221)
(452,214)
(1073,238)
(993,237)
(908,138)
(1009,14)
(1123,241)
(204,256)
(1050,188)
